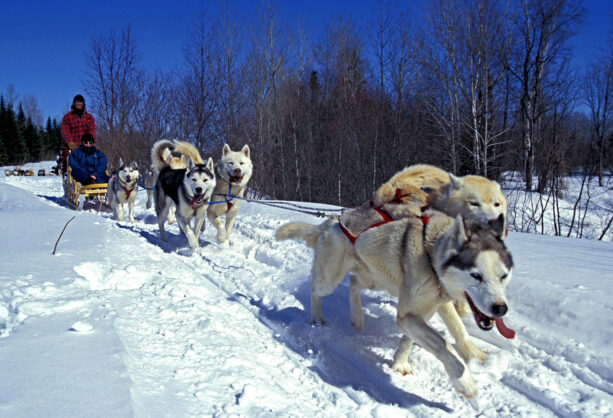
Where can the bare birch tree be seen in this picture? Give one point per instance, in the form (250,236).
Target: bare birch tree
(196,93)
(544,28)
(112,80)
(598,91)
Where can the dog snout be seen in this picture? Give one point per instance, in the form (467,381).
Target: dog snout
(237,171)
(499,309)
(198,190)
(128,178)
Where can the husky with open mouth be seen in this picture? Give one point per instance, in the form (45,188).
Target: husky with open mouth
(429,263)
(189,190)
(233,172)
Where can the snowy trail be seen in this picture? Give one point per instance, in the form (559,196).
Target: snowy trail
(226,330)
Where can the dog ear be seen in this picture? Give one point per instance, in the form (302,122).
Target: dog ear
(246,151)
(120,162)
(497,226)
(210,165)
(461,232)
(190,164)
(456,182)
(226,149)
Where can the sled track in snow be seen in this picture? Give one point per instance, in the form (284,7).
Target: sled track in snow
(358,363)
(236,265)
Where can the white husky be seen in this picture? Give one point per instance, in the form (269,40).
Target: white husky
(428,265)
(122,188)
(233,172)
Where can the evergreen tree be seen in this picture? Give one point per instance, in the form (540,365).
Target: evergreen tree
(3,151)
(13,136)
(51,139)
(57,135)
(32,140)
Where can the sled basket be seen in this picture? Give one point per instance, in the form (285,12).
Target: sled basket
(73,190)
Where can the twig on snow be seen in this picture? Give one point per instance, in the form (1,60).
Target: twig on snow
(61,233)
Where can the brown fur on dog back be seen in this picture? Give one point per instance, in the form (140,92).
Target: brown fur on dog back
(419,175)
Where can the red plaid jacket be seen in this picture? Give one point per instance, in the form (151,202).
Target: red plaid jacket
(74,126)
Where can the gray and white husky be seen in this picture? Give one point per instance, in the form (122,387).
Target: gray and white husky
(190,190)
(428,266)
(122,188)
(233,172)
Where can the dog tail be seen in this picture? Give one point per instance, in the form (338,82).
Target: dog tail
(188,150)
(308,233)
(159,154)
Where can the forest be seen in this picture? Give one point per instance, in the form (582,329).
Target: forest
(471,86)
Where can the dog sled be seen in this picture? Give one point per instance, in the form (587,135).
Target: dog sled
(78,196)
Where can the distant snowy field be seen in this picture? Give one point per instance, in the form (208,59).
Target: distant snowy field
(118,323)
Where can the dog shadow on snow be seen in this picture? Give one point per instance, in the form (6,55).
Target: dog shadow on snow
(339,354)
(177,242)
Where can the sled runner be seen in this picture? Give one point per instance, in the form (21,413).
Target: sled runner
(94,195)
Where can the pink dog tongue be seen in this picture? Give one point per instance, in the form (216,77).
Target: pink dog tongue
(503,330)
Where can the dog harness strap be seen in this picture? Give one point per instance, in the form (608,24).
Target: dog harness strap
(347,233)
(380,211)
(128,191)
(398,196)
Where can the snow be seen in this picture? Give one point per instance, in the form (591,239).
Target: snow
(118,323)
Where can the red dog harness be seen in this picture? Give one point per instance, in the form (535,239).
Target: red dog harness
(386,217)
(128,191)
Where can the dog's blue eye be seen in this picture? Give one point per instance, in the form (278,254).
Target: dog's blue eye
(477,276)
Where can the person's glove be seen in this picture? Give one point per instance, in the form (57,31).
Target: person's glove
(72,145)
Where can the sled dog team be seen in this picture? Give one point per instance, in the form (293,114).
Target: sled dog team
(434,241)
(183,186)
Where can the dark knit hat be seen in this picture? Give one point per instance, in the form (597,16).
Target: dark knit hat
(78,98)
(88,137)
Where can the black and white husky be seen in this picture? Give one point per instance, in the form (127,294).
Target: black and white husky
(190,190)
(122,189)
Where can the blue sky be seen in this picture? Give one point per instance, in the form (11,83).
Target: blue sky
(42,43)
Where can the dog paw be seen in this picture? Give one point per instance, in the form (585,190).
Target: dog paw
(403,368)
(470,351)
(465,384)
(222,237)
(358,325)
